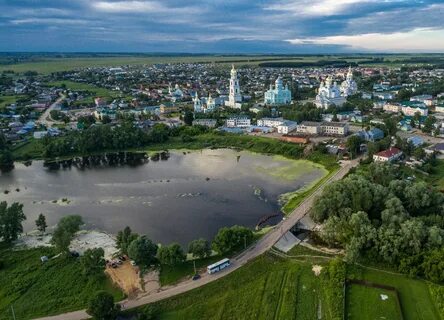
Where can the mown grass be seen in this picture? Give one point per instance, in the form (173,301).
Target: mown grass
(35,289)
(30,149)
(365,303)
(415,298)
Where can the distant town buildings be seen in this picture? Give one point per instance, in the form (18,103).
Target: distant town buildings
(238,122)
(234,97)
(211,123)
(279,95)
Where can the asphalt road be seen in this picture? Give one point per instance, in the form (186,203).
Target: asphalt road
(255,250)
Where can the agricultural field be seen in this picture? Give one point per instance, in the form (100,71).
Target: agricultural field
(366,303)
(48,64)
(35,289)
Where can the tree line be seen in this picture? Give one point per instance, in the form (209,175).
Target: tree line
(380,215)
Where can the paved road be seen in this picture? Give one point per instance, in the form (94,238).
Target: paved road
(46,115)
(260,247)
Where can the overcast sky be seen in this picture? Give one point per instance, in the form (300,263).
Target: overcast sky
(222,26)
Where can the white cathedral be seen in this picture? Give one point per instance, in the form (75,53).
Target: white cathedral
(279,95)
(331,94)
(208,105)
(234,97)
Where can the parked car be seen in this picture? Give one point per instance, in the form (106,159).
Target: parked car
(196,277)
(133,263)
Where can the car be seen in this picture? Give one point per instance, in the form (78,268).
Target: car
(74,254)
(133,263)
(122,258)
(113,265)
(118,261)
(196,277)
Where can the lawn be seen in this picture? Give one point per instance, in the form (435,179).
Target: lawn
(30,149)
(365,303)
(7,100)
(416,302)
(35,289)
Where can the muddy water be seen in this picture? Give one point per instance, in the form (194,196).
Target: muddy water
(189,195)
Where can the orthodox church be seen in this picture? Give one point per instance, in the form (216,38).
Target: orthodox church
(208,105)
(279,95)
(331,94)
(349,86)
(234,97)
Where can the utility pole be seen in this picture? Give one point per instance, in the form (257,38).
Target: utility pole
(194,264)
(13,313)
(245,242)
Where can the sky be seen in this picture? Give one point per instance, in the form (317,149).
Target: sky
(222,26)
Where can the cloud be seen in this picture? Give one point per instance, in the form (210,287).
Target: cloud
(318,7)
(417,40)
(141,7)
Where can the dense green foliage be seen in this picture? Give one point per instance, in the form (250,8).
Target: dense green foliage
(65,230)
(11,219)
(41,223)
(385,217)
(124,238)
(6,158)
(54,287)
(437,293)
(93,261)
(333,279)
(102,307)
(229,239)
(143,251)
(199,248)
(171,254)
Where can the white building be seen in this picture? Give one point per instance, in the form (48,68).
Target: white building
(270,122)
(309,127)
(234,97)
(287,126)
(238,122)
(335,128)
(211,123)
(349,86)
(388,155)
(391,107)
(197,104)
(329,94)
(410,108)
(279,95)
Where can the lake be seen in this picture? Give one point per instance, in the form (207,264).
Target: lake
(186,196)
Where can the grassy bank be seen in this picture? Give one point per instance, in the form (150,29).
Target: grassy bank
(274,288)
(36,289)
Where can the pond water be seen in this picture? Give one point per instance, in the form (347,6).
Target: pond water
(187,196)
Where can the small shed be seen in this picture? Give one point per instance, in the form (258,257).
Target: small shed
(43,259)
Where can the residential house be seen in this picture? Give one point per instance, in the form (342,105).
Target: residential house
(388,155)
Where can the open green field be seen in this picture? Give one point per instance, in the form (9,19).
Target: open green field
(7,100)
(416,301)
(274,288)
(35,289)
(94,90)
(267,288)
(365,303)
(46,65)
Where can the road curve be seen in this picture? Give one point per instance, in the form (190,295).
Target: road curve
(255,250)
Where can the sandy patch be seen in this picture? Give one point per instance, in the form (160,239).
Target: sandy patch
(126,277)
(316,269)
(151,282)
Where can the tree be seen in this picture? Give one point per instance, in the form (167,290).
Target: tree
(229,239)
(171,255)
(200,248)
(188,118)
(124,238)
(102,307)
(353,144)
(93,261)
(429,124)
(6,161)
(143,251)
(41,223)
(11,219)
(433,265)
(65,230)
